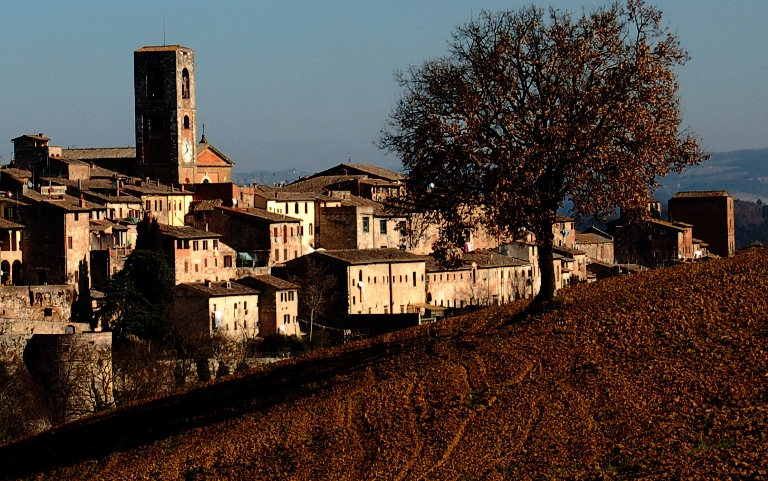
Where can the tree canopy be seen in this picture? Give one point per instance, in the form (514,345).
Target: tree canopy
(534,107)
(138,297)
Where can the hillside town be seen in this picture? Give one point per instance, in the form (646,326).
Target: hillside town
(70,221)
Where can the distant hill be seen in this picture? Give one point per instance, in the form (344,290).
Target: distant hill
(659,375)
(743,173)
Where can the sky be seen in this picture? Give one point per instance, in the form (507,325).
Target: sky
(309,84)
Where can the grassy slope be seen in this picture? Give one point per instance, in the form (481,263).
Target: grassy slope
(644,376)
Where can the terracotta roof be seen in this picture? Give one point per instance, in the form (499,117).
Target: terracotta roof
(204,205)
(278,193)
(568,251)
(701,193)
(108,197)
(7,224)
(66,202)
(161,189)
(219,289)
(592,238)
(493,259)
(257,214)
(99,153)
(31,136)
(435,265)
(367,169)
(268,280)
(371,256)
(321,183)
(676,225)
(186,232)
(161,48)
(16,173)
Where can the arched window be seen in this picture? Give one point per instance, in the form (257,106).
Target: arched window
(310,229)
(185,84)
(360,276)
(186,121)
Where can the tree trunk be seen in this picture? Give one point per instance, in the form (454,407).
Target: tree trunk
(546,270)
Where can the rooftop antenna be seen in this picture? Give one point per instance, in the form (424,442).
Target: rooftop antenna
(163,31)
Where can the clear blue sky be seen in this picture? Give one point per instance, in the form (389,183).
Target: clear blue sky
(309,84)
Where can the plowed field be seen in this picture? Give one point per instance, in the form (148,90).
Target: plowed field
(662,375)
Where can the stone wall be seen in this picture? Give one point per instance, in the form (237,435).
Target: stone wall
(51,303)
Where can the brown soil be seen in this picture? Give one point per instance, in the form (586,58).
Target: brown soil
(662,375)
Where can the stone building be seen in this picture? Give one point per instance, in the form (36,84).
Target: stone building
(56,240)
(298,205)
(195,255)
(484,278)
(564,231)
(29,149)
(226,308)
(278,304)
(652,243)
(370,281)
(268,238)
(111,244)
(597,244)
(351,222)
(11,253)
(711,213)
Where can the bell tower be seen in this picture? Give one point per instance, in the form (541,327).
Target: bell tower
(164,91)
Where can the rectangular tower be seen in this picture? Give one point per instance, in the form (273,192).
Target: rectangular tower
(712,216)
(164,90)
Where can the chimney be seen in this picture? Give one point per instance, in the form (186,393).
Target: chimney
(82,201)
(229,285)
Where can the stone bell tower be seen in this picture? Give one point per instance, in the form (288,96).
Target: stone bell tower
(164,90)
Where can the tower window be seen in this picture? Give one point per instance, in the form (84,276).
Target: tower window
(185,84)
(154,85)
(186,121)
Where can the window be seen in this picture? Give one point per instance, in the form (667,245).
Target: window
(205,262)
(287,319)
(185,94)
(285,254)
(291,231)
(366,227)
(383,226)
(205,245)
(414,279)
(186,269)
(149,206)
(197,267)
(290,295)
(296,208)
(306,207)
(69,242)
(276,234)
(227,261)
(186,122)
(310,229)
(353,300)
(277,255)
(195,245)
(295,254)
(77,217)
(215,245)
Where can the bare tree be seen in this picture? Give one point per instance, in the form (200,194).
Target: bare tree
(317,291)
(534,107)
